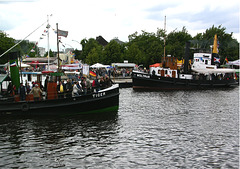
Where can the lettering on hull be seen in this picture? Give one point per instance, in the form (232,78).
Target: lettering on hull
(140,75)
(95,95)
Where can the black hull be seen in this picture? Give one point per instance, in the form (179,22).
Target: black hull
(147,81)
(105,101)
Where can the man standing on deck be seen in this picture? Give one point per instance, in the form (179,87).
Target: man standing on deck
(36,92)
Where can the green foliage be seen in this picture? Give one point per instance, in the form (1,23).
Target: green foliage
(112,53)
(228,47)
(50,53)
(77,54)
(5,43)
(144,48)
(88,50)
(148,47)
(176,41)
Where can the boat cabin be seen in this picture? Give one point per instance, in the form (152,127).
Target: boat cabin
(202,61)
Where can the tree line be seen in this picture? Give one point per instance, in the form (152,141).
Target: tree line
(147,47)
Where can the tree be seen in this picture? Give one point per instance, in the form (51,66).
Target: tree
(5,44)
(148,45)
(176,41)
(134,55)
(77,54)
(93,57)
(228,47)
(50,53)
(87,46)
(112,53)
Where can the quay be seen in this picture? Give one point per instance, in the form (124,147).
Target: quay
(124,82)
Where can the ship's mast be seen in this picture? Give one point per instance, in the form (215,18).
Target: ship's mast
(58,47)
(48,40)
(164,54)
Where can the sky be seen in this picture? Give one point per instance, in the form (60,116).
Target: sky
(113,18)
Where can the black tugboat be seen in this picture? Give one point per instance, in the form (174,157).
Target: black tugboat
(202,74)
(103,101)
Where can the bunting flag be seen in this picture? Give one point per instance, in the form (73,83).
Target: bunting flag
(62,33)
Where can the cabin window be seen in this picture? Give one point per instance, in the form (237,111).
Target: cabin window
(206,62)
(166,72)
(29,78)
(159,72)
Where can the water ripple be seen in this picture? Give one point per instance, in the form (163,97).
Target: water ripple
(184,129)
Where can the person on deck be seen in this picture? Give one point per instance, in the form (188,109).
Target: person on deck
(84,85)
(76,89)
(88,84)
(108,82)
(46,83)
(22,92)
(69,88)
(36,92)
(60,90)
(10,89)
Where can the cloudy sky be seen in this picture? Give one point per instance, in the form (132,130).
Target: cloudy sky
(114,18)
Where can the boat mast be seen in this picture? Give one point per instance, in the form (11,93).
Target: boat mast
(48,39)
(164,53)
(57,47)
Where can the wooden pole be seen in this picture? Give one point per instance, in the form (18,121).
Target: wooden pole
(58,48)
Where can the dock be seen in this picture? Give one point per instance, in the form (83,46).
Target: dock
(123,82)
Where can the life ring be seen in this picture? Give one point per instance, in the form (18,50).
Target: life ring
(25,107)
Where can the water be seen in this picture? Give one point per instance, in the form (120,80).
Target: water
(181,129)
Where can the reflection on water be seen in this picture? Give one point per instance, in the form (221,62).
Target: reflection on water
(181,129)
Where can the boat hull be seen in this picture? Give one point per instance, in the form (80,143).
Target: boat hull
(103,101)
(147,81)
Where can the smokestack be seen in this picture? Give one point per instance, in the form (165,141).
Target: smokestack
(215,50)
(186,58)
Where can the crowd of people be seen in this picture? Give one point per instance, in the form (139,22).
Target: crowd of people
(124,72)
(84,86)
(70,88)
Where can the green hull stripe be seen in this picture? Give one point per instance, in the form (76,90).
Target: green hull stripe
(104,110)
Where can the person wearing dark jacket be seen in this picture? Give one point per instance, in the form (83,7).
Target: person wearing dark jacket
(69,88)
(22,92)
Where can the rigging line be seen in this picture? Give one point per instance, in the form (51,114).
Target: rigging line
(22,40)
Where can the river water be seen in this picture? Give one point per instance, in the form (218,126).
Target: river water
(180,129)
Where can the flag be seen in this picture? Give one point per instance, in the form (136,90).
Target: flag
(62,33)
(92,73)
(226,59)
(216,59)
(13,64)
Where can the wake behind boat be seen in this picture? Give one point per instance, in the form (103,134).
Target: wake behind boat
(202,74)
